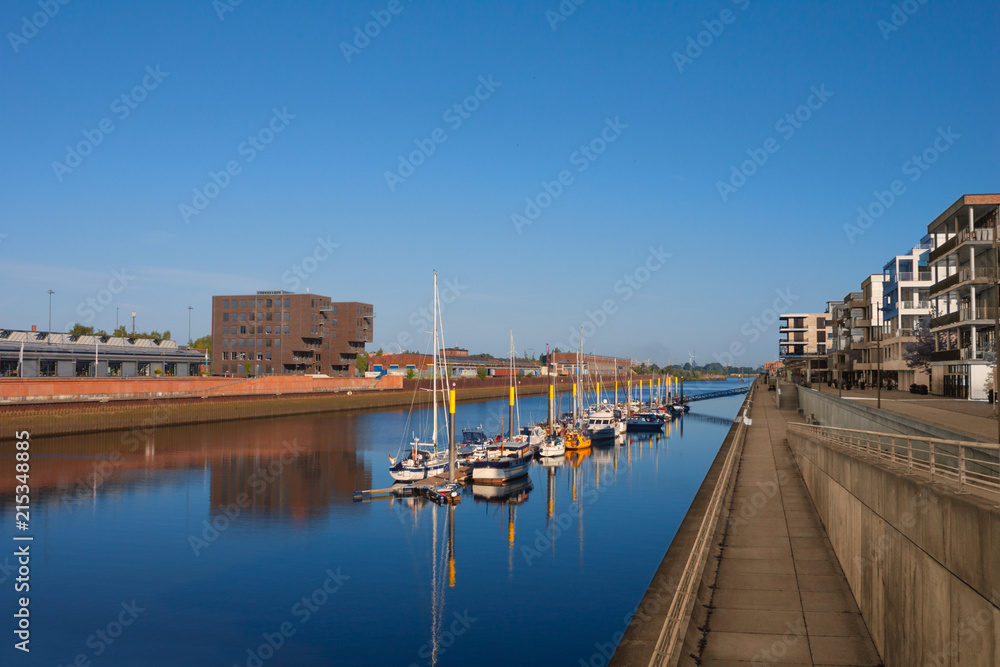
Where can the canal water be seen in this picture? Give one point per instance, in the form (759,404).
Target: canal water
(238,543)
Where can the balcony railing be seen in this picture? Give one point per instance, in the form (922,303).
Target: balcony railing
(983,234)
(906,276)
(912,305)
(980,275)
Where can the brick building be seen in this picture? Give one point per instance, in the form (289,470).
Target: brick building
(279,332)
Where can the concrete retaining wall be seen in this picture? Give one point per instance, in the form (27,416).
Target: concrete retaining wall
(922,561)
(841,413)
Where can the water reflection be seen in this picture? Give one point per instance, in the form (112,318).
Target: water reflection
(295,468)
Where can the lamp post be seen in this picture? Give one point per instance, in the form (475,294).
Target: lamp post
(116,317)
(878,310)
(48,335)
(133,322)
(190,308)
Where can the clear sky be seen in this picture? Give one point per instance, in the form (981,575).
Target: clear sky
(556,169)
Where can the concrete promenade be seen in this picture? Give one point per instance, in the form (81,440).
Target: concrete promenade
(972,417)
(781,596)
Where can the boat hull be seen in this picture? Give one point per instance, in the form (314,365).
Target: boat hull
(498,471)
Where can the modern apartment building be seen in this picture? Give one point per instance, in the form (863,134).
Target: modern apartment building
(866,368)
(906,302)
(802,346)
(277,332)
(963,266)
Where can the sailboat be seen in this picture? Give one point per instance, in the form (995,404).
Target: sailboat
(554,445)
(424,459)
(512,457)
(574,437)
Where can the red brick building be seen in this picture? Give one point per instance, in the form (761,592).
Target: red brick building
(278,332)
(592,364)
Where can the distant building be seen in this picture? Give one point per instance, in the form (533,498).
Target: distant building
(803,346)
(566,363)
(906,302)
(773,367)
(64,355)
(278,332)
(459,364)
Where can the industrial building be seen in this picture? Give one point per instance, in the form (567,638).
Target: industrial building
(44,354)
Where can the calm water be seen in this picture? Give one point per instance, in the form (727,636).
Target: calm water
(206,541)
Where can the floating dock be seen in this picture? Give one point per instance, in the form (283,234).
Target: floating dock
(429,487)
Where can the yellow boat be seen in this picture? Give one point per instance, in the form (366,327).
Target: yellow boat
(576,440)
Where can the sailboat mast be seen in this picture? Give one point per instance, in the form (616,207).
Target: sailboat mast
(434,362)
(510,427)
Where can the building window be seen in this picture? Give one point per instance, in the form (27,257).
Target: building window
(260,328)
(243,303)
(225,317)
(288,303)
(192,369)
(225,342)
(225,303)
(260,303)
(243,317)
(267,356)
(260,357)
(286,329)
(243,342)
(83,369)
(268,344)
(143,369)
(269,316)
(251,342)
(170,369)
(267,329)
(268,303)
(260,342)
(268,368)
(286,317)
(277,342)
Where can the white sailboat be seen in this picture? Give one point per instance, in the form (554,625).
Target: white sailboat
(553,445)
(424,459)
(512,456)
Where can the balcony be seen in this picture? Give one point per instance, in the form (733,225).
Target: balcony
(982,275)
(946,355)
(980,235)
(913,305)
(907,276)
(964,314)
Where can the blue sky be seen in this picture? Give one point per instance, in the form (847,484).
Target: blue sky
(639,243)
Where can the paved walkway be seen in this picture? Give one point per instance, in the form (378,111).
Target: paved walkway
(972,417)
(781,596)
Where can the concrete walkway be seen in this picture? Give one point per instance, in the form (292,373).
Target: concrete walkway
(781,596)
(972,417)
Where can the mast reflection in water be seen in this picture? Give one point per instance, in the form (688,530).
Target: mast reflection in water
(240,543)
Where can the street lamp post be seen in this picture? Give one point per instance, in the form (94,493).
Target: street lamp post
(133,322)
(190,308)
(878,310)
(48,335)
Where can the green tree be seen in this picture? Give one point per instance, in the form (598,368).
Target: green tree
(81,330)
(203,343)
(121,332)
(362,364)
(247,367)
(409,374)
(481,373)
